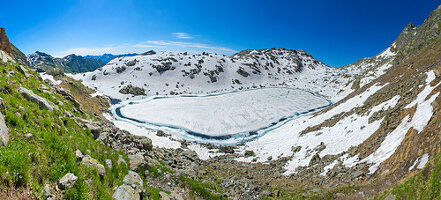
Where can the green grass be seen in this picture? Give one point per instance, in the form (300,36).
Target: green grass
(49,153)
(425,184)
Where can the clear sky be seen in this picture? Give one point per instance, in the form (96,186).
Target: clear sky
(337,32)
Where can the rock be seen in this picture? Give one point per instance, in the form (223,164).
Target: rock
(133,179)
(296,149)
(146,143)
(125,192)
(94,129)
(78,154)
(4,131)
(131,189)
(137,162)
(226,149)
(55,72)
(2,106)
(249,153)
(90,162)
(42,102)
(130,89)
(47,191)
(28,135)
(109,163)
(67,181)
(161,133)
(121,160)
(164,196)
(151,161)
(357,174)
(176,196)
(23,70)
(266,193)
(390,197)
(315,159)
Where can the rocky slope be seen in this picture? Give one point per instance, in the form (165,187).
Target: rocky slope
(382,129)
(71,63)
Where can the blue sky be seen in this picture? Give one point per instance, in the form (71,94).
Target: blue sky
(337,32)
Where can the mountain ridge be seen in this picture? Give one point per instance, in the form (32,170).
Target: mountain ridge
(71,63)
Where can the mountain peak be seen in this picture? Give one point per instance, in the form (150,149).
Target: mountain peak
(4,43)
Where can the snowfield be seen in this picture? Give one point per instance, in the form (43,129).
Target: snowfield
(199,103)
(223,116)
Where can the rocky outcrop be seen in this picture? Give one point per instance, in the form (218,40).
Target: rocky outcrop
(130,89)
(22,69)
(91,162)
(4,131)
(131,189)
(42,102)
(10,49)
(4,43)
(414,38)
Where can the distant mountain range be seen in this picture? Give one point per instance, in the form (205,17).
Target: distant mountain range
(74,63)
(70,63)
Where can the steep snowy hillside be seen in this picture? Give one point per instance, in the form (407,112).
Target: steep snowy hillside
(178,73)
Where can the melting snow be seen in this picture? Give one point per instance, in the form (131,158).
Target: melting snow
(419,120)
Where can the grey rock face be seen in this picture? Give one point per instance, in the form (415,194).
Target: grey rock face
(67,181)
(42,102)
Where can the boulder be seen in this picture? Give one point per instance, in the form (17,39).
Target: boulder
(146,143)
(133,179)
(2,106)
(131,189)
(23,70)
(78,154)
(67,181)
(4,131)
(42,102)
(164,196)
(125,192)
(91,162)
(137,162)
(94,129)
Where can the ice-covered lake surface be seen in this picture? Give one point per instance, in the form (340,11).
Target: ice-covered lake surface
(224,118)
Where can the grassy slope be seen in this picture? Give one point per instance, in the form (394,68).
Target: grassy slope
(28,163)
(49,153)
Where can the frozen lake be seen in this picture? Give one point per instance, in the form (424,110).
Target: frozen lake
(225,118)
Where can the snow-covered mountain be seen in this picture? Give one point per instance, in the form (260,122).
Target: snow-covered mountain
(168,73)
(71,63)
